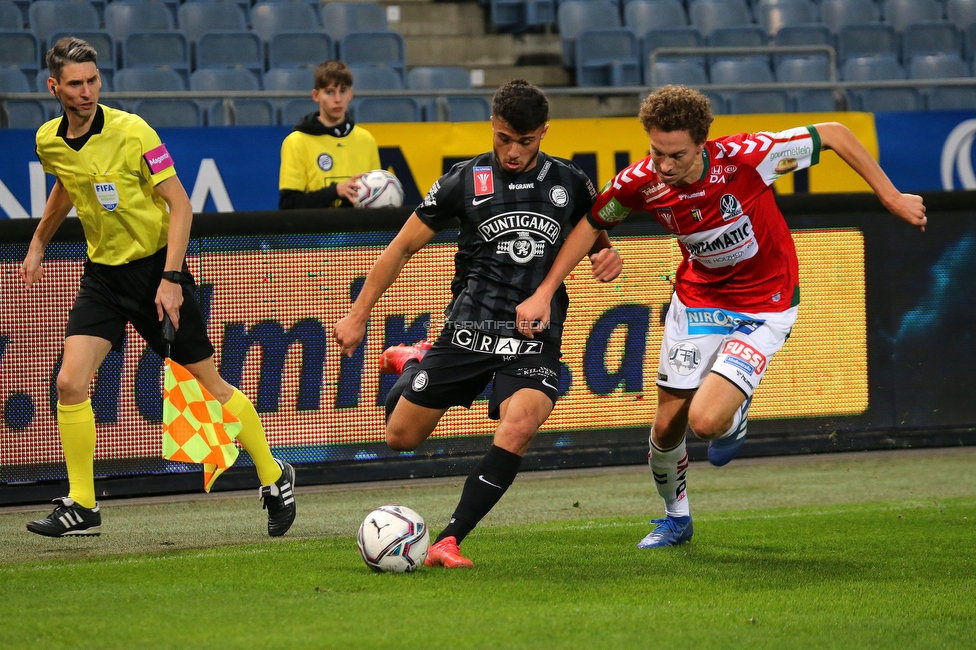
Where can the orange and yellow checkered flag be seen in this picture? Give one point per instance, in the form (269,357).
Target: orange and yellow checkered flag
(196,427)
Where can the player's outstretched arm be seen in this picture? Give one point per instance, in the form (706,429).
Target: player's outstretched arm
(838,138)
(604,259)
(532,315)
(55,210)
(169,295)
(350,330)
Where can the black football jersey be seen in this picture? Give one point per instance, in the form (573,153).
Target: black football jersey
(511,228)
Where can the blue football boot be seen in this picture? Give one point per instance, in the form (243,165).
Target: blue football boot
(670,531)
(722,450)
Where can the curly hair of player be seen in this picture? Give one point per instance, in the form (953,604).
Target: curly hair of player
(522,105)
(677,108)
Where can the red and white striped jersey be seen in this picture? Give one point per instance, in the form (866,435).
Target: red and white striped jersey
(737,250)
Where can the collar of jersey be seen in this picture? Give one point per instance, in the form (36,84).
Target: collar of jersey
(705,165)
(96,127)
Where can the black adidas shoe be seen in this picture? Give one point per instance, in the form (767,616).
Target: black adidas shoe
(67,519)
(279,499)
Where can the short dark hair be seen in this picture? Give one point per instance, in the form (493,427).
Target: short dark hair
(522,105)
(69,50)
(677,108)
(333,72)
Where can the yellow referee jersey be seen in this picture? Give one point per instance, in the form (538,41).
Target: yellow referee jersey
(310,162)
(110,181)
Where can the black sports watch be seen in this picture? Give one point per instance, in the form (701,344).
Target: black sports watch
(173,276)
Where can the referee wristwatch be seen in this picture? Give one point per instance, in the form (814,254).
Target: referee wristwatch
(173,276)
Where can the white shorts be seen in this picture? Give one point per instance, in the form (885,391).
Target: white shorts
(736,345)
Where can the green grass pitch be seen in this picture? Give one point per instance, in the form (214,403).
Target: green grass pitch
(874,550)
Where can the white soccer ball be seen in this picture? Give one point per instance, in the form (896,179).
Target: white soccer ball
(379,189)
(393,539)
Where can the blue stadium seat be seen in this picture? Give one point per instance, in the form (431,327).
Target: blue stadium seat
(814,101)
(952,98)
(11,17)
(741,36)
(802,69)
(937,66)
(902,13)
(519,15)
(270,18)
(673,37)
(13,80)
(123,17)
(157,50)
(47,16)
(99,39)
(971,42)
(51,106)
(774,15)
(642,15)
(143,79)
(759,101)
(872,68)
(574,16)
(607,57)
(468,109)
(961,13)
(687,73)
(732,71)
(341,18)
(168,113)
(879,100)
(387,109)
(709,15)
(290,79)
(243,112)
(720,105)
(934,37)
(866,39)
(373,48)
(230,50)
(805,34)
(218,79)
(197,18)
(20,50)
(837,13)
(433,78)
(294,110)
(373,78)
(299,49)
(23,114)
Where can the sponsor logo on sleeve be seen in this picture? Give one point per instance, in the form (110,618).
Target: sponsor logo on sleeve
(786,165)
(158,159)
(484,183)
(743,356)
(653,192)
(545,170)
(613,212)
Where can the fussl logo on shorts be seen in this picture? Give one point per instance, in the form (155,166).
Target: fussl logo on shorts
(740,350)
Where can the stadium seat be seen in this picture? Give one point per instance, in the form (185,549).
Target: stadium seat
(20,50)
(732,71)
(299,49)
(934,37)
(243,112)
(48,16)
(872,68)
(373,48)
(294,110)
(13,80)
(687,73)
(717,101)
(373,78)
(952,98)
(741,36)
(168,113)
(937,66)
(230,50)
(774,15)
(23,114)
(961,13)
(468,109)
(98,38)
(341,18)
(519,15)
(433,78)
(11,17)
(197,18)
(837,13)
(123,17)
(290,79)
(271,18)
(902,13)
(674,37)
(157,50)
(709,15)
(866,39)
(971,42)
(802,69)
(218,79)
(759,101)
(642,15)
(51,106)
(814,101)
(879,100)
(143,79)
(607,57)
(574,16)
(387,109)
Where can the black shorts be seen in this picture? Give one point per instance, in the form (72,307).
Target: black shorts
(454,375)
(111,296)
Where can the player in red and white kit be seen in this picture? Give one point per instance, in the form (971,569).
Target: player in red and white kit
(736,288)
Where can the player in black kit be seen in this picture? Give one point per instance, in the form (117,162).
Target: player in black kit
(516,206)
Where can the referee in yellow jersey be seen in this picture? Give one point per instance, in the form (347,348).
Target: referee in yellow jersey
(111,166)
